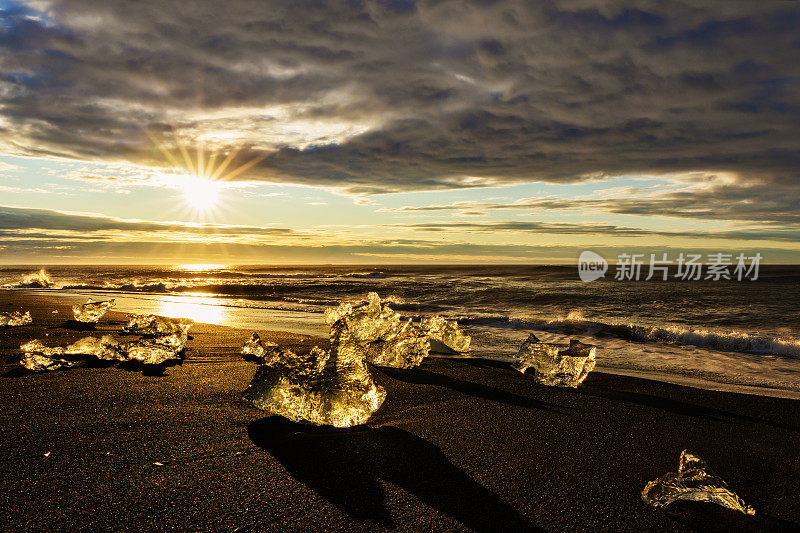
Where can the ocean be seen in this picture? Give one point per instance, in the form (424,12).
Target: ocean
(728,335)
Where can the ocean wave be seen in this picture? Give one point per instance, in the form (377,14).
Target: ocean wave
(34,280)
(575,324)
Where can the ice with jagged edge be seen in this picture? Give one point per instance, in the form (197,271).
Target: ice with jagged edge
(170,332)
(15,318)
(92,311)
(565,368)
(692,482)
(404,347)
(322,388)
(387,340)
(256,350)
(368,322)
(36,356)
(445,335)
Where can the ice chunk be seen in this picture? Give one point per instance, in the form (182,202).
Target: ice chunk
(366,323)
(36,356)
(692,482)
(323,388)
(168,332)
(103,348)
(567,368)
(404,348)
(15,318)
(92,311)
(157,325)
(445,335)
(149,352)
(257,351)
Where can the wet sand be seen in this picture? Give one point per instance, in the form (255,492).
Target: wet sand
(458,445)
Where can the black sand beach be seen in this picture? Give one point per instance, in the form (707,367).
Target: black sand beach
(457,445)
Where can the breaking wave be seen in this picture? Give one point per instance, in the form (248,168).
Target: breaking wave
(575,323)
(34,280)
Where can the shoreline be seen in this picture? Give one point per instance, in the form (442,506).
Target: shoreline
(459,444)
(295,323)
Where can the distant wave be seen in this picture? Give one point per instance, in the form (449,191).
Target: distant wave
(574,323)
(367,275)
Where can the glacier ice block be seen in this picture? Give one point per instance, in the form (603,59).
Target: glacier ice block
(692,482)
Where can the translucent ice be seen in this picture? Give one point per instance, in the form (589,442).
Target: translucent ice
(169,332)
(322,388)
(15,318)
(102,348)
(149,352)
(692,482)
(157,325)
(91,311)
(368,322)
(567,368)
(445,335)
(404,348)
(257,351)
(36,356)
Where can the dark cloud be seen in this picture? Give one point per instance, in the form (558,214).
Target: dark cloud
(419,95)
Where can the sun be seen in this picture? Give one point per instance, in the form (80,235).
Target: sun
(201,193)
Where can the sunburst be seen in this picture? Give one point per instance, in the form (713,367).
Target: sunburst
(204,179)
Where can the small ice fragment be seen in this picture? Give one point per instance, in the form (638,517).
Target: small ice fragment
(15,318)
(158,464)
(404,348)
(92,311)
(567,368)
(445,335)
(37,357)
(55,311)
(47,454)
(692,482)
(255,350)
(322,388)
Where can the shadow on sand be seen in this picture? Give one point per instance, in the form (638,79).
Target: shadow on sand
(426,377)
(78,326)
(602,387)
(345,466)
(712,518)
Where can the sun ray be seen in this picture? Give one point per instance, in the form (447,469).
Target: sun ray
(224,164)
(244,168)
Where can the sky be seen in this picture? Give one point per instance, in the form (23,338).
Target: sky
(397,131)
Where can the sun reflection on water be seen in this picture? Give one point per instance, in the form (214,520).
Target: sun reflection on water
(200,267)
(200,309)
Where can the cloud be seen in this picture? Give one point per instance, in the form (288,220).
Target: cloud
(773,234)
(371,98)
(709,198)
(21,221)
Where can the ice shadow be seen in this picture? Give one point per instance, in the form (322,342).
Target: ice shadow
(426,377)
(79,326)
(346,467)
(711,518)
(597,387)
